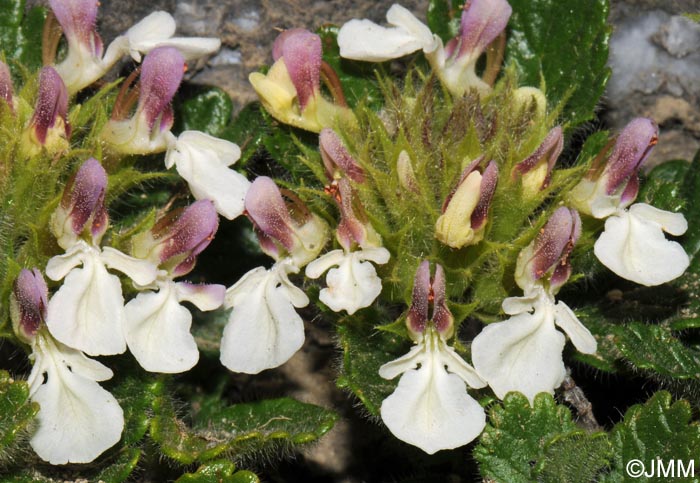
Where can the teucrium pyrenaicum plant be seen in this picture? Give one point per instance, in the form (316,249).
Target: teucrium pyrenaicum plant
(433,217)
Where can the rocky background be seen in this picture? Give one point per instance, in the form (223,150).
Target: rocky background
(655,58)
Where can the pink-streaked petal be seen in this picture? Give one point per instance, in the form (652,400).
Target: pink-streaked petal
(548,152)
(442,317)
(417,317)
(77,19)
(301,51)
(268,211)
(633,146)
(489,179)
(28,303)
(51,104)
(161,74)
(205,297)
(482,21)
(336,156)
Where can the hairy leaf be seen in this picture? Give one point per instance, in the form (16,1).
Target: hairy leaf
(218,471)
(564,44)
(208,110)
(20,33)
(16,412)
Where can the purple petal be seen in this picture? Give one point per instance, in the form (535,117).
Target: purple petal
(77,19)
(632,148)
(554,244)
(83,198)
(189,233)
(549,150)
(335,155)
(352,227)
(489,179)
(161,74)
(268,211)
(30,299)
(6,85)
(301,51)
(482,21)
(52,103)
(467,171)
(417,317)
(442,317)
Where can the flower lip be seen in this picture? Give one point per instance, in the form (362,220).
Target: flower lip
(302,53)
(51,104)
(161,73)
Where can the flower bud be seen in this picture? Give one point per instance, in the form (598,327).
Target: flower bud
(536,169)
(82,209)
(285,228)
(291,90)
(28,304)
(6,86)
(354,227)
(425,292)
(407,177)
(465,211)
(177,238)
(49,126)
(546,259)
(607,188)
(148,130)
(337,159)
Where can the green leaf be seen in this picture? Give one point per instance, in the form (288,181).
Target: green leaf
(564,44)
(241,429)
(663,185)
(248,131)
(209,111)
(521,441)
(576,457)
(656,430)
(219,471)
(20,33)
(444,17)
(16,412)
(364,351)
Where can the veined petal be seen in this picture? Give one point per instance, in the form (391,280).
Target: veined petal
(78,419)
(142,272)
(87,312)
(205,297)
(523,353)
(365,40)
(203,161)
(580,336)
(430,407)
(157,331)
(634,247)
(264,330)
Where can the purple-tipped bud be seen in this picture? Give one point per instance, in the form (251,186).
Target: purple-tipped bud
(161,74)
(77,19)
(6,86)
(536,169)
(177,238)
(354,227)
(302,53)
(28,304)
(425,293)
(82,209)
(337,159)
(482,21)
(547,257)
(633,146)
(51,108)
(284,227)
(465,210)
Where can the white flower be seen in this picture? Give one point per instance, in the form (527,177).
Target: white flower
(157,328)
(78,419)
(203,162)
(354,284)
(430,407)
(264,329)
(87,312)
(524,353)
(634,247)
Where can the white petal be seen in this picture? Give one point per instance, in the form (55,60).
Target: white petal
(431,409)
(523,353)
(455,364)
(365,40)
(580,336)
(203,162)
(191,48)
(158,331)
(518,305)
(406,362)
(354,284)
(204,297)
(634,247)
(142,272)
(59,266)
(87,312)
(673,223)
(319,266)
(152,28)
(264,330)
(78,419)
